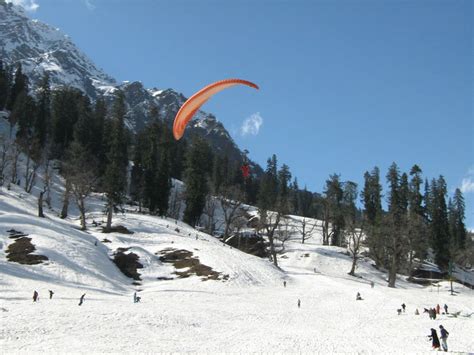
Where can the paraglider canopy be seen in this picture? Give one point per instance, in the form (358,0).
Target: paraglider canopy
(194,103)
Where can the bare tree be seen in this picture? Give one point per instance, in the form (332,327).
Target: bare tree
(327,234)
(47,181)
(40,204)
(79,169)
(176,203)
(283,232)
(209,212)
(5,146)
(14,158)
(305,228)
(232,207)
(355,236)
(66,195)
(269,222)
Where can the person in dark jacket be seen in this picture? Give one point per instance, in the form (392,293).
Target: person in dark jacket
(434,339)
(403,307)
(81,300)
(51,293)
(444,337)
(446,308)
(35,296)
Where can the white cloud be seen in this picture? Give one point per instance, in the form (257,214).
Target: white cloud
(251,125)
(28,5)
(90,5)
(467,183)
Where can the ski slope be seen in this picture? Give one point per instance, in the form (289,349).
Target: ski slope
(249,311)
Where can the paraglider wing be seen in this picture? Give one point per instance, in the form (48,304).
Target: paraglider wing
(194,103)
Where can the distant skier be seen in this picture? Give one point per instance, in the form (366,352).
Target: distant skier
(299,303)
(434,339)
(399,311)
(438,309)
(81,300)
(446,308)
(35,296)
(416,312)
(51,293)
(284,283)
(358,297)
(403,307)
(444,337)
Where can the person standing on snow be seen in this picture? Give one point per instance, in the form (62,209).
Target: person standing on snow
(444,337)
(403,307)
(299,303)
(434,339)
(438,308)
(35,296)
(81,300)
(446,308)
(51,293)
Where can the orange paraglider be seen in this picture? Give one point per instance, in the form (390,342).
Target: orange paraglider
(194,103)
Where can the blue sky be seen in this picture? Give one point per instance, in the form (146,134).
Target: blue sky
(345,85)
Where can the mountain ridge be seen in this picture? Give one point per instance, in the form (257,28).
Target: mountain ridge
(41,48)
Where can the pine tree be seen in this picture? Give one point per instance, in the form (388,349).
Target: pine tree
(373,215)
(284,178)
(19,86)
(335,215)
(4,85)
(439,225)
(115,179)
(417,227)
(98,144)
(396,220)
(456,221)
(64,115)
(164,172)
(196,180)
(43,117)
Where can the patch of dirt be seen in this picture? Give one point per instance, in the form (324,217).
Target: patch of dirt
(16,234)
(117,229)
(127,263)
(20,252)
(164,278)
(183,259)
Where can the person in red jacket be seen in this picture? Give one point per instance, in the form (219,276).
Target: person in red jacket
(438,309)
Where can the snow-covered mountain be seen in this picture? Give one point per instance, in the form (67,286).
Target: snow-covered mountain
(41,48)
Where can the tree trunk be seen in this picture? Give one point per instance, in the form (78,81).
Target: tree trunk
(40,205)
(109,216)
(392,274)
(82,211)
(67,192)
(272,249)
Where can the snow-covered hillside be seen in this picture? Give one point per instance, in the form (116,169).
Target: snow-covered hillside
(245,309)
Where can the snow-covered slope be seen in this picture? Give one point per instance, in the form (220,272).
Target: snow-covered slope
(248,311)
